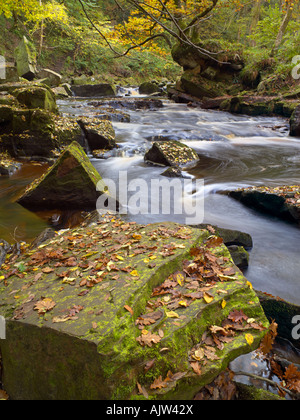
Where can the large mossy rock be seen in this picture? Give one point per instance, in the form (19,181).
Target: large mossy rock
(171,153)
(147,88)
(71,183)
(282,202)
(25,56)
(35,133)
(107,312)
(99,134)
(36,97)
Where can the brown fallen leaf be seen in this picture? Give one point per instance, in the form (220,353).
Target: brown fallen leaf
(44,305)
(129,309)
(196,367)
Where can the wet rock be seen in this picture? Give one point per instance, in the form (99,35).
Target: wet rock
(99,134)
(130,103)
(171,153)
(295,123)
(230,236)
(87,91)
(282,312)
(71,183)
(147,88)
(106,321)
(8,167)
(239,255)
(282,202)
(173,172)
(25,56)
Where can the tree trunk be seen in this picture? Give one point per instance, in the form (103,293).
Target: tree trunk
(255,20)
(283,26)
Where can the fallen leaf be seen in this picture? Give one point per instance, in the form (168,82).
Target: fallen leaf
(196,367)
(207,297)
(249,338)
(44,305)
(129,309)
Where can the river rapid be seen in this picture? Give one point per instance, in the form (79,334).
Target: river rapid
(235,151)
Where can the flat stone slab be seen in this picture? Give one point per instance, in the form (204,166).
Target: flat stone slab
(117,310)
(282,201)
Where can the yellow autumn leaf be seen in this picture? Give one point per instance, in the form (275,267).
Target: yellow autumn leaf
(183,303)
(208,298)
(223,304)
(137,237)
(119,258)
(172,314)
(2,278)
(249,284)
(249,338)
(179,277)
(146,260)
(134,273)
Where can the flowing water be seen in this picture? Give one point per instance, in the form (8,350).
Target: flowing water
(234,151)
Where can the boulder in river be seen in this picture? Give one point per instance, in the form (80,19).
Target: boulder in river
(171,153)
(282,202)
(87,91)
(99,134)
(147,88)
(71,183)
(143,325)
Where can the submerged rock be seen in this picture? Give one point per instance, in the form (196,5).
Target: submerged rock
(283,201)
(71,183)
(171,153)
(111,303)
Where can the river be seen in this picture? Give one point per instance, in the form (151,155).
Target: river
(234,151)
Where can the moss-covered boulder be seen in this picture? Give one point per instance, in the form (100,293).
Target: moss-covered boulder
(36,97)
(71,183)
(35,133)
(25,56)
(99,134)
(171,153)
(118,310)
(147,88)
(282,202)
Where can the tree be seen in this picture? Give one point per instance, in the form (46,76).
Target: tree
(157,19)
